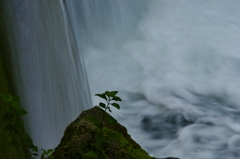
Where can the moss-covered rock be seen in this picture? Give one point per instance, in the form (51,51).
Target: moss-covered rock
(90,137)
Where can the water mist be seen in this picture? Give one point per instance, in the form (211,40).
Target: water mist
(176,66)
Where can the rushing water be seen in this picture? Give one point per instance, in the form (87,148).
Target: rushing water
(175,63)
(51,74)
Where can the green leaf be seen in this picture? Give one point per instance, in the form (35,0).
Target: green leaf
(16,99)
(111,94)
(116,98)
(101,96)
(35,154)
(10,98)
(33,147)
(21,112)
(116,105)
(49,151)
(102,105)
(106,93)
(44,151)
(91,154)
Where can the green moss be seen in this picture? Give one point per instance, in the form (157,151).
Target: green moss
(86,138)
(121,148)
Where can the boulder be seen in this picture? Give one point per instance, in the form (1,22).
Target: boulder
(97,135)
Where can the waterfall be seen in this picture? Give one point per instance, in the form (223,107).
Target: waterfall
(175,65)
(53,86)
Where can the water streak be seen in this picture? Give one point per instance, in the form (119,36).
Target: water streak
(51,74)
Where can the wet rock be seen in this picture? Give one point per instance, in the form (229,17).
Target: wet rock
(90,137)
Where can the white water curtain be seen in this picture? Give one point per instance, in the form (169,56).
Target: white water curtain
(50,69)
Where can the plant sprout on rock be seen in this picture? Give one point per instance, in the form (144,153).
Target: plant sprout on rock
(111,99)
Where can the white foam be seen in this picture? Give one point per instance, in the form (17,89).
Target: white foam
(183,58)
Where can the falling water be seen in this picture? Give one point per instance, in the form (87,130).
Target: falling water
(51,74)
(175,63)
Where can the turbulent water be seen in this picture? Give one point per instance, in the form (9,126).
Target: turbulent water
(175,63)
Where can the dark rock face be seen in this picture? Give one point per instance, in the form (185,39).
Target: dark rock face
(90,137)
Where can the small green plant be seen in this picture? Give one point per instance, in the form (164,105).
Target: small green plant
(47,154)
(109,97)
(32,149)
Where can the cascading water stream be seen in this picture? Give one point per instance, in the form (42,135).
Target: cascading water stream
(51,74)
(175,63)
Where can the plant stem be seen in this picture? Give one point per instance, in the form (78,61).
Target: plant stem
(108,103)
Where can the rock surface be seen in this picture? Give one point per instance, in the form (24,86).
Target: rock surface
(89,138)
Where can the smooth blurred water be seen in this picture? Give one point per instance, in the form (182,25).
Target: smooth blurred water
(50,71)
(176,65)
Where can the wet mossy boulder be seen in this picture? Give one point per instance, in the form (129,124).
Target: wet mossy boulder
(97,135)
